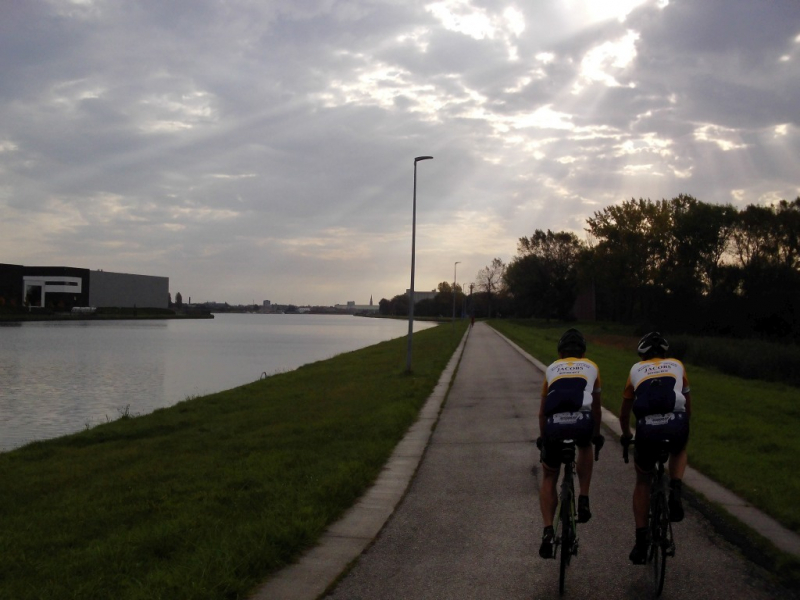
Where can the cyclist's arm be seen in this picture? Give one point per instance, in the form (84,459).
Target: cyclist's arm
(542,418)
(625,417)
(688,395)
(597,412)
(625,411)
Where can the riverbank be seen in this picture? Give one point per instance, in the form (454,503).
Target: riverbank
(206,498)
(101,315)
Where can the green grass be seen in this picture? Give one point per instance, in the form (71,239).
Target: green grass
(207,498)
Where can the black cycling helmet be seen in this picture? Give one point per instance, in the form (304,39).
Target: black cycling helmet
(572,343)
(651,344)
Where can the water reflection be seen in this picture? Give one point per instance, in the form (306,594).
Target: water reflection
(60,377)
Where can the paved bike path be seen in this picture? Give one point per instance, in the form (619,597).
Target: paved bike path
(470,524)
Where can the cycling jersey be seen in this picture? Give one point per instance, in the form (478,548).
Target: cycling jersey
(569,384)
(657,387)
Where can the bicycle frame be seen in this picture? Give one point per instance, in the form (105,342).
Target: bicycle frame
(662,544)
(659,525)
(565,536)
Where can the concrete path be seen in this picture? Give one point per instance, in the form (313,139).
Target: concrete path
(469,524)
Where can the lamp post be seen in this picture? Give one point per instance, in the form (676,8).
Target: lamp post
(471,308)
(413,242)
(454,293)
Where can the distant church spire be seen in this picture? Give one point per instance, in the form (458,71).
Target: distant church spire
(370,299)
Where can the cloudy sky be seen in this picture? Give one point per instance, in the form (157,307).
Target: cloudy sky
(256,149)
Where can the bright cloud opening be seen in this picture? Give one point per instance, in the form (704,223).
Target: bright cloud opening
(172,112)
(603,63)
(596,11)
(479,24)
(727,139)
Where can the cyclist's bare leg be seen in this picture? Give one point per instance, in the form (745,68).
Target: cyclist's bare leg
(641,497)
(548,499)
(584,466)
(677,464)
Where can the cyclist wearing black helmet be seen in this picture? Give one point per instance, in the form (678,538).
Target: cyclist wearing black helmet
(658,393)
(570,409)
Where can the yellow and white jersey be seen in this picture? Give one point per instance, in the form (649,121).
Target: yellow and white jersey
(569,384)
(657,386)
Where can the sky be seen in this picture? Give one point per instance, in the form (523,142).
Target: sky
(257,150)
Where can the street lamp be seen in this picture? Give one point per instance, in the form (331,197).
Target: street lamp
(454,293)
(471,310)
(413,242)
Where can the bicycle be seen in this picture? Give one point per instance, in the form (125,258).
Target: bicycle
(567,541)
(662,544)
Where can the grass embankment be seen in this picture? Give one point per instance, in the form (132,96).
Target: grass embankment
(744,431)
(206,498)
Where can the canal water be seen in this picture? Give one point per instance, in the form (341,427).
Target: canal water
(60,377)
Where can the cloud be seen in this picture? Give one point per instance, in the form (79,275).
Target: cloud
(253,150)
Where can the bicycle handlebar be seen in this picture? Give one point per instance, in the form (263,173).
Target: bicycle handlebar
(598,442)
(626,443)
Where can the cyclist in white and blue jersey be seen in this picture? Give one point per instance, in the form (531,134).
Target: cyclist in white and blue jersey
(569,409)
(658,394)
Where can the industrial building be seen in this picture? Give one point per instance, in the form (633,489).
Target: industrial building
(64,288)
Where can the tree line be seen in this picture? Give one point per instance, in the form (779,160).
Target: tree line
(679,264)
(682,265)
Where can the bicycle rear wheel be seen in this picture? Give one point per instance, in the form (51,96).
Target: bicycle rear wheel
(659,543)
(567,541)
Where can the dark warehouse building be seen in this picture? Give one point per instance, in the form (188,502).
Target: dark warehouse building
(63,288)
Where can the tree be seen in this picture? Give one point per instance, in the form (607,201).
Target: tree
(490,280)
(622,259)
(701,234)
(639,257)
(178,300)
(738,270)
(397,306)
(788,216)
(765,242)
(542,278)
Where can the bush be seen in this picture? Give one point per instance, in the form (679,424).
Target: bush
(751,359)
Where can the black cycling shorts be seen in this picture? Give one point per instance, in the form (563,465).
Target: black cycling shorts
(577,426)
(653,429)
